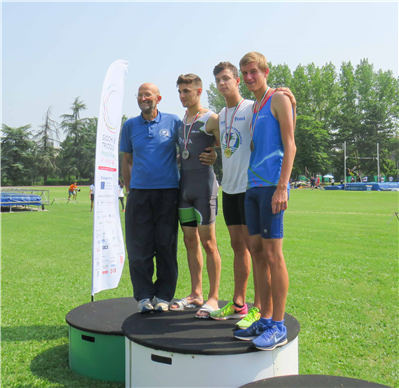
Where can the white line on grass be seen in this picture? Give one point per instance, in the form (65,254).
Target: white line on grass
(362,214)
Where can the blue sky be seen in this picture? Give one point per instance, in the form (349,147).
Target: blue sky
(53,52)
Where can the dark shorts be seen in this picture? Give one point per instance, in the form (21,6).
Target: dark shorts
(92,197)
(234,209)
(259,216)
(198,193)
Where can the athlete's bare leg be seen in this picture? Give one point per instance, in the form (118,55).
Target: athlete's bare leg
(273,250)
(263,275)
(195,263)
(213,262)
(257,300)
(242,263)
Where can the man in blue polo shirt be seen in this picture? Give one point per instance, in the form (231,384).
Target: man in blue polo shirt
(151,175)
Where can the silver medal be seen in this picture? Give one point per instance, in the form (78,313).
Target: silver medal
(185,154)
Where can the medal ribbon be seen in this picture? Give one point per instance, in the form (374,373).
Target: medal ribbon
(252,127)
(231,122)
(191,126)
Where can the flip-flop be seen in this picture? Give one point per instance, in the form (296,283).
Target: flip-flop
(205,308)
(182,305)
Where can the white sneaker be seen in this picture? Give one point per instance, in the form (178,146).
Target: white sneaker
(145,306)
(160,304)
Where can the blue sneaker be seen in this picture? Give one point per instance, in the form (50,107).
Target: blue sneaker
(253,331)
(271,338)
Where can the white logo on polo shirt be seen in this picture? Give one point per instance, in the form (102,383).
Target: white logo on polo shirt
(164,132)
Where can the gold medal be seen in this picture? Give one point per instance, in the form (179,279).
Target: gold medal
(227,152)
(252,145)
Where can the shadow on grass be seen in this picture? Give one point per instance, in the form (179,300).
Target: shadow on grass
(33,333)
(52,365)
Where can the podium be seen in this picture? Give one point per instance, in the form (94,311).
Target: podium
(174,349)
(96,341)
(109,340)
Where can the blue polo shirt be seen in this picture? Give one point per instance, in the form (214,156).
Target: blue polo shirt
(153,145)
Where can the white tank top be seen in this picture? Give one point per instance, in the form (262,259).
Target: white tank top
(235,167)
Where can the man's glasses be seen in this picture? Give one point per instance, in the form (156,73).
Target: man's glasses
(145,95)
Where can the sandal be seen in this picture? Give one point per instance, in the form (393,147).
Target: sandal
(205,309)
(182,304)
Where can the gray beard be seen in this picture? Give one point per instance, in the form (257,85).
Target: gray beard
(150,108)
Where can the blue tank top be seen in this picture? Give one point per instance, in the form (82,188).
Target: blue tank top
(267,157)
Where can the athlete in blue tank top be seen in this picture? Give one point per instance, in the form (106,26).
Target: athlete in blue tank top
(267,157)
(273,152)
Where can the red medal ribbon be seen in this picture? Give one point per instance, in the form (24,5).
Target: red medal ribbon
(263,101)
(191,126)
(231,121)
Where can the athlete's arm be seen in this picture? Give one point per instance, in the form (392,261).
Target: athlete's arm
(208,157)
(288,93)
(127,164)
(212,126)
(282,110)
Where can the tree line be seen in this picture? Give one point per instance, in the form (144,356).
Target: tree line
(29,157)
(358,106)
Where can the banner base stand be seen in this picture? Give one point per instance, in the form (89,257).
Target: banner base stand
(96,341)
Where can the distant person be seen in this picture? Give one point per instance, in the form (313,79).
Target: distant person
(382,179)
(91,195)
(312,182)
(318,182)
(342,181)
(332,181)
(72,191)
(390,178)
(364,179)
(121,195)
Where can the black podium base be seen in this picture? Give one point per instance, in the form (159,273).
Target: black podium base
(312,381)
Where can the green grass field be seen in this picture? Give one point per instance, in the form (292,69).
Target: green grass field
(341,250)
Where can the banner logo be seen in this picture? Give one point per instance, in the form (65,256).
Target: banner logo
(111,108)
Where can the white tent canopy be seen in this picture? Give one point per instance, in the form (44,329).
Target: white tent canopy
(328,176)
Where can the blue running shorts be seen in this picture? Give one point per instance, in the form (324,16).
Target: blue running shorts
(258,213)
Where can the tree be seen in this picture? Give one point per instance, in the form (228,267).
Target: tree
(74,147)
(312,141)
(279,76)
(45,137)
(368,114)
(215,99)
(16,157)
(301,89)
